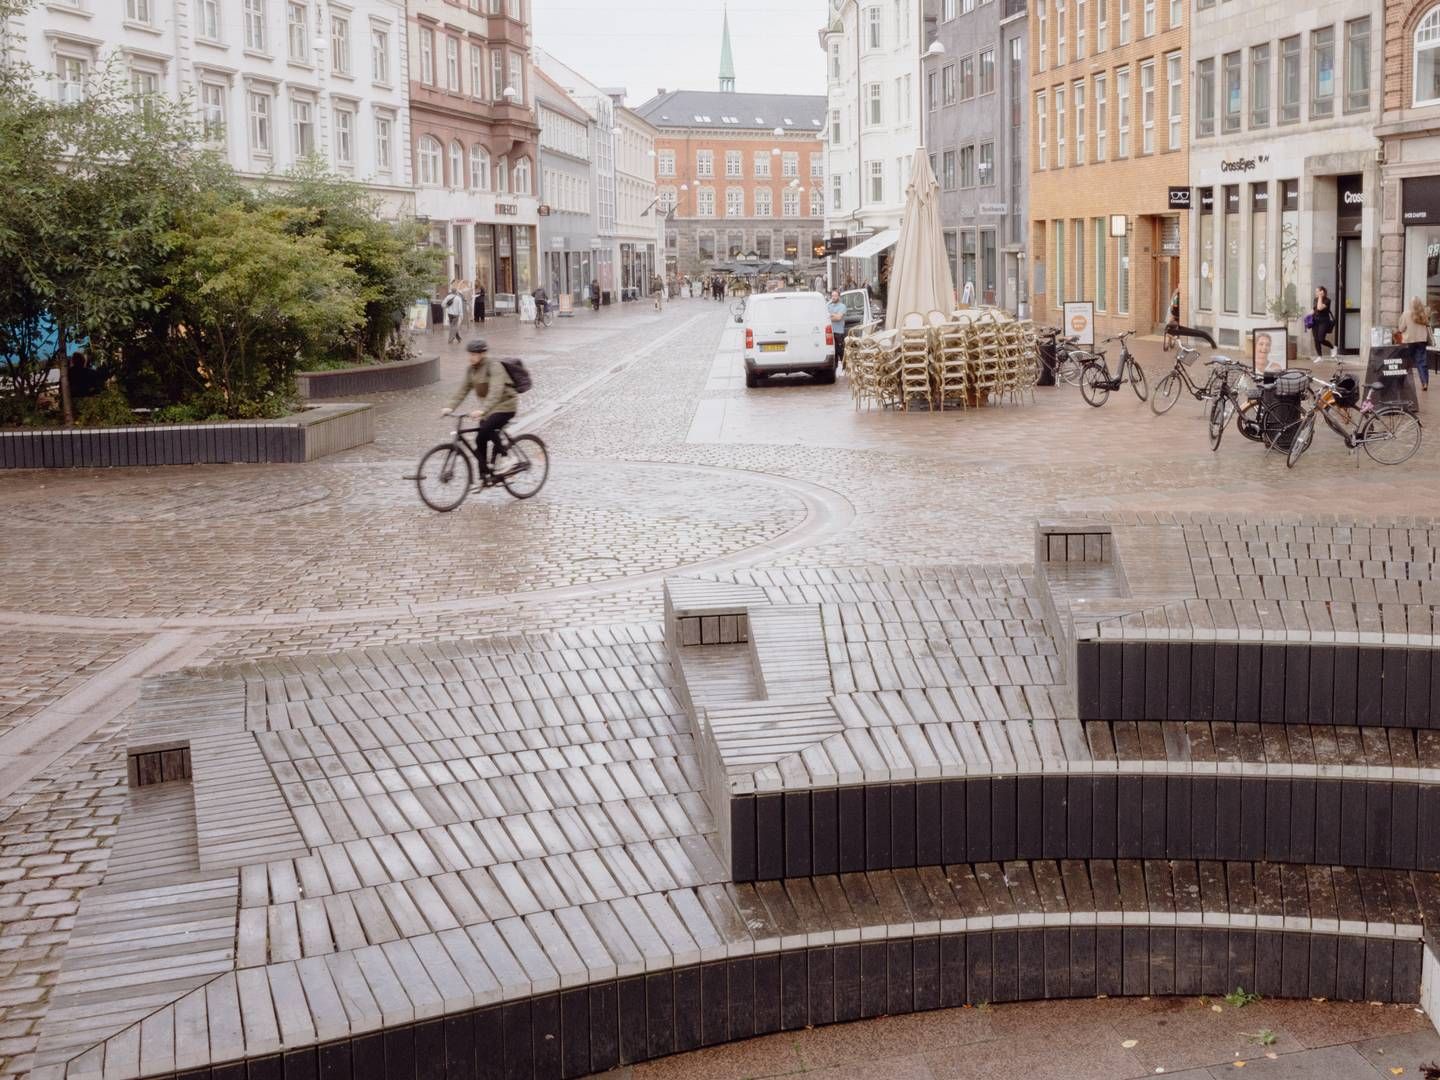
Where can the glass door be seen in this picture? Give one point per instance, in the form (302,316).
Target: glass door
(1347,304)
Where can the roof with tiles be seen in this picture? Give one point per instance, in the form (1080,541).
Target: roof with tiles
(798,114)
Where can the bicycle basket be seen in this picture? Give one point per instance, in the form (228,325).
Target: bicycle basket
(1347,391)
(1292,384)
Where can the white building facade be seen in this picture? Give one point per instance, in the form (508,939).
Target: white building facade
(1284,102)
(635,209)
(567,202)
(273,81)
(872,125)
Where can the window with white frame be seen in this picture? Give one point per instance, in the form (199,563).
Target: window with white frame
(735,202)
(522,176)
(1060,158)
(497,75)
(479,168)
(1427,59)
(1149,26)
(874,105)
(452,63)
(1173,101)
(1102,26)
(384,134)
(339,45)
(761,162)
(1125,21)
(502,175)
(207,20)
(967,78)
(837,191)
(212,111)
(789,203)
(1122,112)
(790,164)
(985,168)
(253,17)
(297,27)
(1080,8)
(1357,65)
(668,196)
(259,105)
(141,11)
(732,163)
(344,119)
(1102,116)
(1259,87)
(1177,14)
(427,56)
(144,85)
(947,10)
(1060,54)
(476,57)
(834,127)
(1147,107)
(457,165)
(1042,146)
(705,202)
(817,201)
(1077,98)
(302,127)
(877,181)
(764,205)
(704,162)
(517,77)
(379,55)
(947,84)
(873,35)
(1042,32)
(1202,98)
(817,166)
(834,61)
(427,158)
(947,170)
(665,163)
(1322,71)
(71,70)
(967,166)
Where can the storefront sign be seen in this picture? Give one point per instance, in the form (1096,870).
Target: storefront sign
(507,209)
(1240,165)
(1420,200)
(992,209)
(557,242)
(1351,198)
(1080,320)
(1179,198)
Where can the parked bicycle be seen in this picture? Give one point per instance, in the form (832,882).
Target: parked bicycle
(1096,382)
(447,472)
(1179,380)
(1388,432)
(1069,356)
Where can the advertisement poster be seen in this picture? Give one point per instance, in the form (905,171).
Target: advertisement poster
(1080,320)
(1270,346)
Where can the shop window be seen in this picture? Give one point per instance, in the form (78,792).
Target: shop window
(1231,284)
(1078,228)
(1122,275)
(988,265)
(1058,228)
(967,260)
(1101,281)
(1289,283)
(1205,250)
(1259,246)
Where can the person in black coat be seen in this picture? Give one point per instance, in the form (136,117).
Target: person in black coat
(1322,320)
(480,304)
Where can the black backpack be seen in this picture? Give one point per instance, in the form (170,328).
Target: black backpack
(519,377)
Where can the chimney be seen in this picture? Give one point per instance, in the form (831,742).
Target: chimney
(660,92)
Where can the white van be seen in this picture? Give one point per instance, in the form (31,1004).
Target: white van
(786,332)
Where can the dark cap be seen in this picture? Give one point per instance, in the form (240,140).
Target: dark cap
(479,345)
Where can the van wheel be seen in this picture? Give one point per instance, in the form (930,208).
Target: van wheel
(751,379)
(827,376)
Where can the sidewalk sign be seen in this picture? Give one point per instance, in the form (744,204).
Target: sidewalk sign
(1080,320)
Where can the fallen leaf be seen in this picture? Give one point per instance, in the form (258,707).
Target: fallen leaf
(1397,1071)
(1129,1043)
(1271,1055)
(1239,1064)
(1216,1008)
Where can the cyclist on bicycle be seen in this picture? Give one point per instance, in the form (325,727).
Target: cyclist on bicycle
(498,401)
(542,301)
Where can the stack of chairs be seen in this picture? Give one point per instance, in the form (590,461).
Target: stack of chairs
(986,369)
(1013,369)
(914,348)
(861,363)
(952,362)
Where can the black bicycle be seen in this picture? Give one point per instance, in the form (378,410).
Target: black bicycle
(1096,382)
(1237,397)
(544,316)
(1069,356)
(1386,431)
(446,473)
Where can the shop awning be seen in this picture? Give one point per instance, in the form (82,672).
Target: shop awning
(876,244)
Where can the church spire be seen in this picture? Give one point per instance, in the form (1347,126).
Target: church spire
(727,65)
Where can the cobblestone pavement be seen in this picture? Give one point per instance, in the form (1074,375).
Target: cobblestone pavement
(661,460)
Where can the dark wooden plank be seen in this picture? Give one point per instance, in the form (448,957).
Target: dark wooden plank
(1417,688)
(1277,818)
(1214,961)
(877,827)
(954,989)
(1056,963)
(1132,680)
(1391,692)
(1247,682)
(1005,965)
(1157,676)
(1202,681)
(1202,816)
(820,967)
(743,865)
(1029,817)
(926,973)
(767,993)
(902,824)
(852,829)
(929,826)
(1322,684)
(1297,684)
(1054,817)
(634,1034)
(824,831)
(1189,960)
(769,837)
(799,841)
(847,982)
(740,973)
(1083,970)
(1079,816)
(977,820)
(1227,817)
(1152,816)
(545,1028)
(979,967)
(1272,683)
(794,990)
(574,1034)
(1087,680)
(1109,703)
(660,1013)
(899,976)
(954,840)
(1177,680)
(1109,961)
(714,1004)
(604,1027)
(1002,818)
(1178,822)
(1129,817)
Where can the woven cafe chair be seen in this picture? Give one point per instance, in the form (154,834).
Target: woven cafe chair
(914,344)
(951,363)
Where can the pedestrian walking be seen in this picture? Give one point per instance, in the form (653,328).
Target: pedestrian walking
(454,306)
(595,295)
(480,303)
(1415,331)
(1321,321)
(836,310)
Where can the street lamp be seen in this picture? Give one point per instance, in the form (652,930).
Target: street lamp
(509,94)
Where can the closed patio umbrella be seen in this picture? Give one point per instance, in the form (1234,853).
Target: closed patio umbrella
(920,280)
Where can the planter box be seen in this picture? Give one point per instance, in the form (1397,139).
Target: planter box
(364,379)
(325,429)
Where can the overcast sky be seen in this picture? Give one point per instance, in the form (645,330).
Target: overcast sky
(646,44)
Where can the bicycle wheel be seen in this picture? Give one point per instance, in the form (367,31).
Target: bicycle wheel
(1249,417)
(528,468)
(444,477)
(1279,421)
(1094,385)
(1137,378)
(1304,435)
(1221,409)
(1167,392)
(1389,436)
(1068,370)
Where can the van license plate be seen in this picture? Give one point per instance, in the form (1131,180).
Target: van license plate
(772,346)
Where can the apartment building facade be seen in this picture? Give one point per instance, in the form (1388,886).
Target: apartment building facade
(1409,227)
(738,175)
(1283,166)
(475,141)
(567,200)
(872,120)
(976,128)
(1108,143)
(636,203)
(274,81)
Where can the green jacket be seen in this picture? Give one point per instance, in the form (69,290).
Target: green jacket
(492,385)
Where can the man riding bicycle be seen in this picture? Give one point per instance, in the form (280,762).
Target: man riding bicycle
(498,401)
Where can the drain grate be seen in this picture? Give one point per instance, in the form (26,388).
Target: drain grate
(159,766)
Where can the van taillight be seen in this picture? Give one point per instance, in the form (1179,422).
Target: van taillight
(829,334)
(749,338)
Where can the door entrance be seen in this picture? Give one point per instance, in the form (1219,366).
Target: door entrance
(1347,303)
(1167,277)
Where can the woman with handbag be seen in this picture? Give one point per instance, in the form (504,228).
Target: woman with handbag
(1321,320)
(1415,332)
